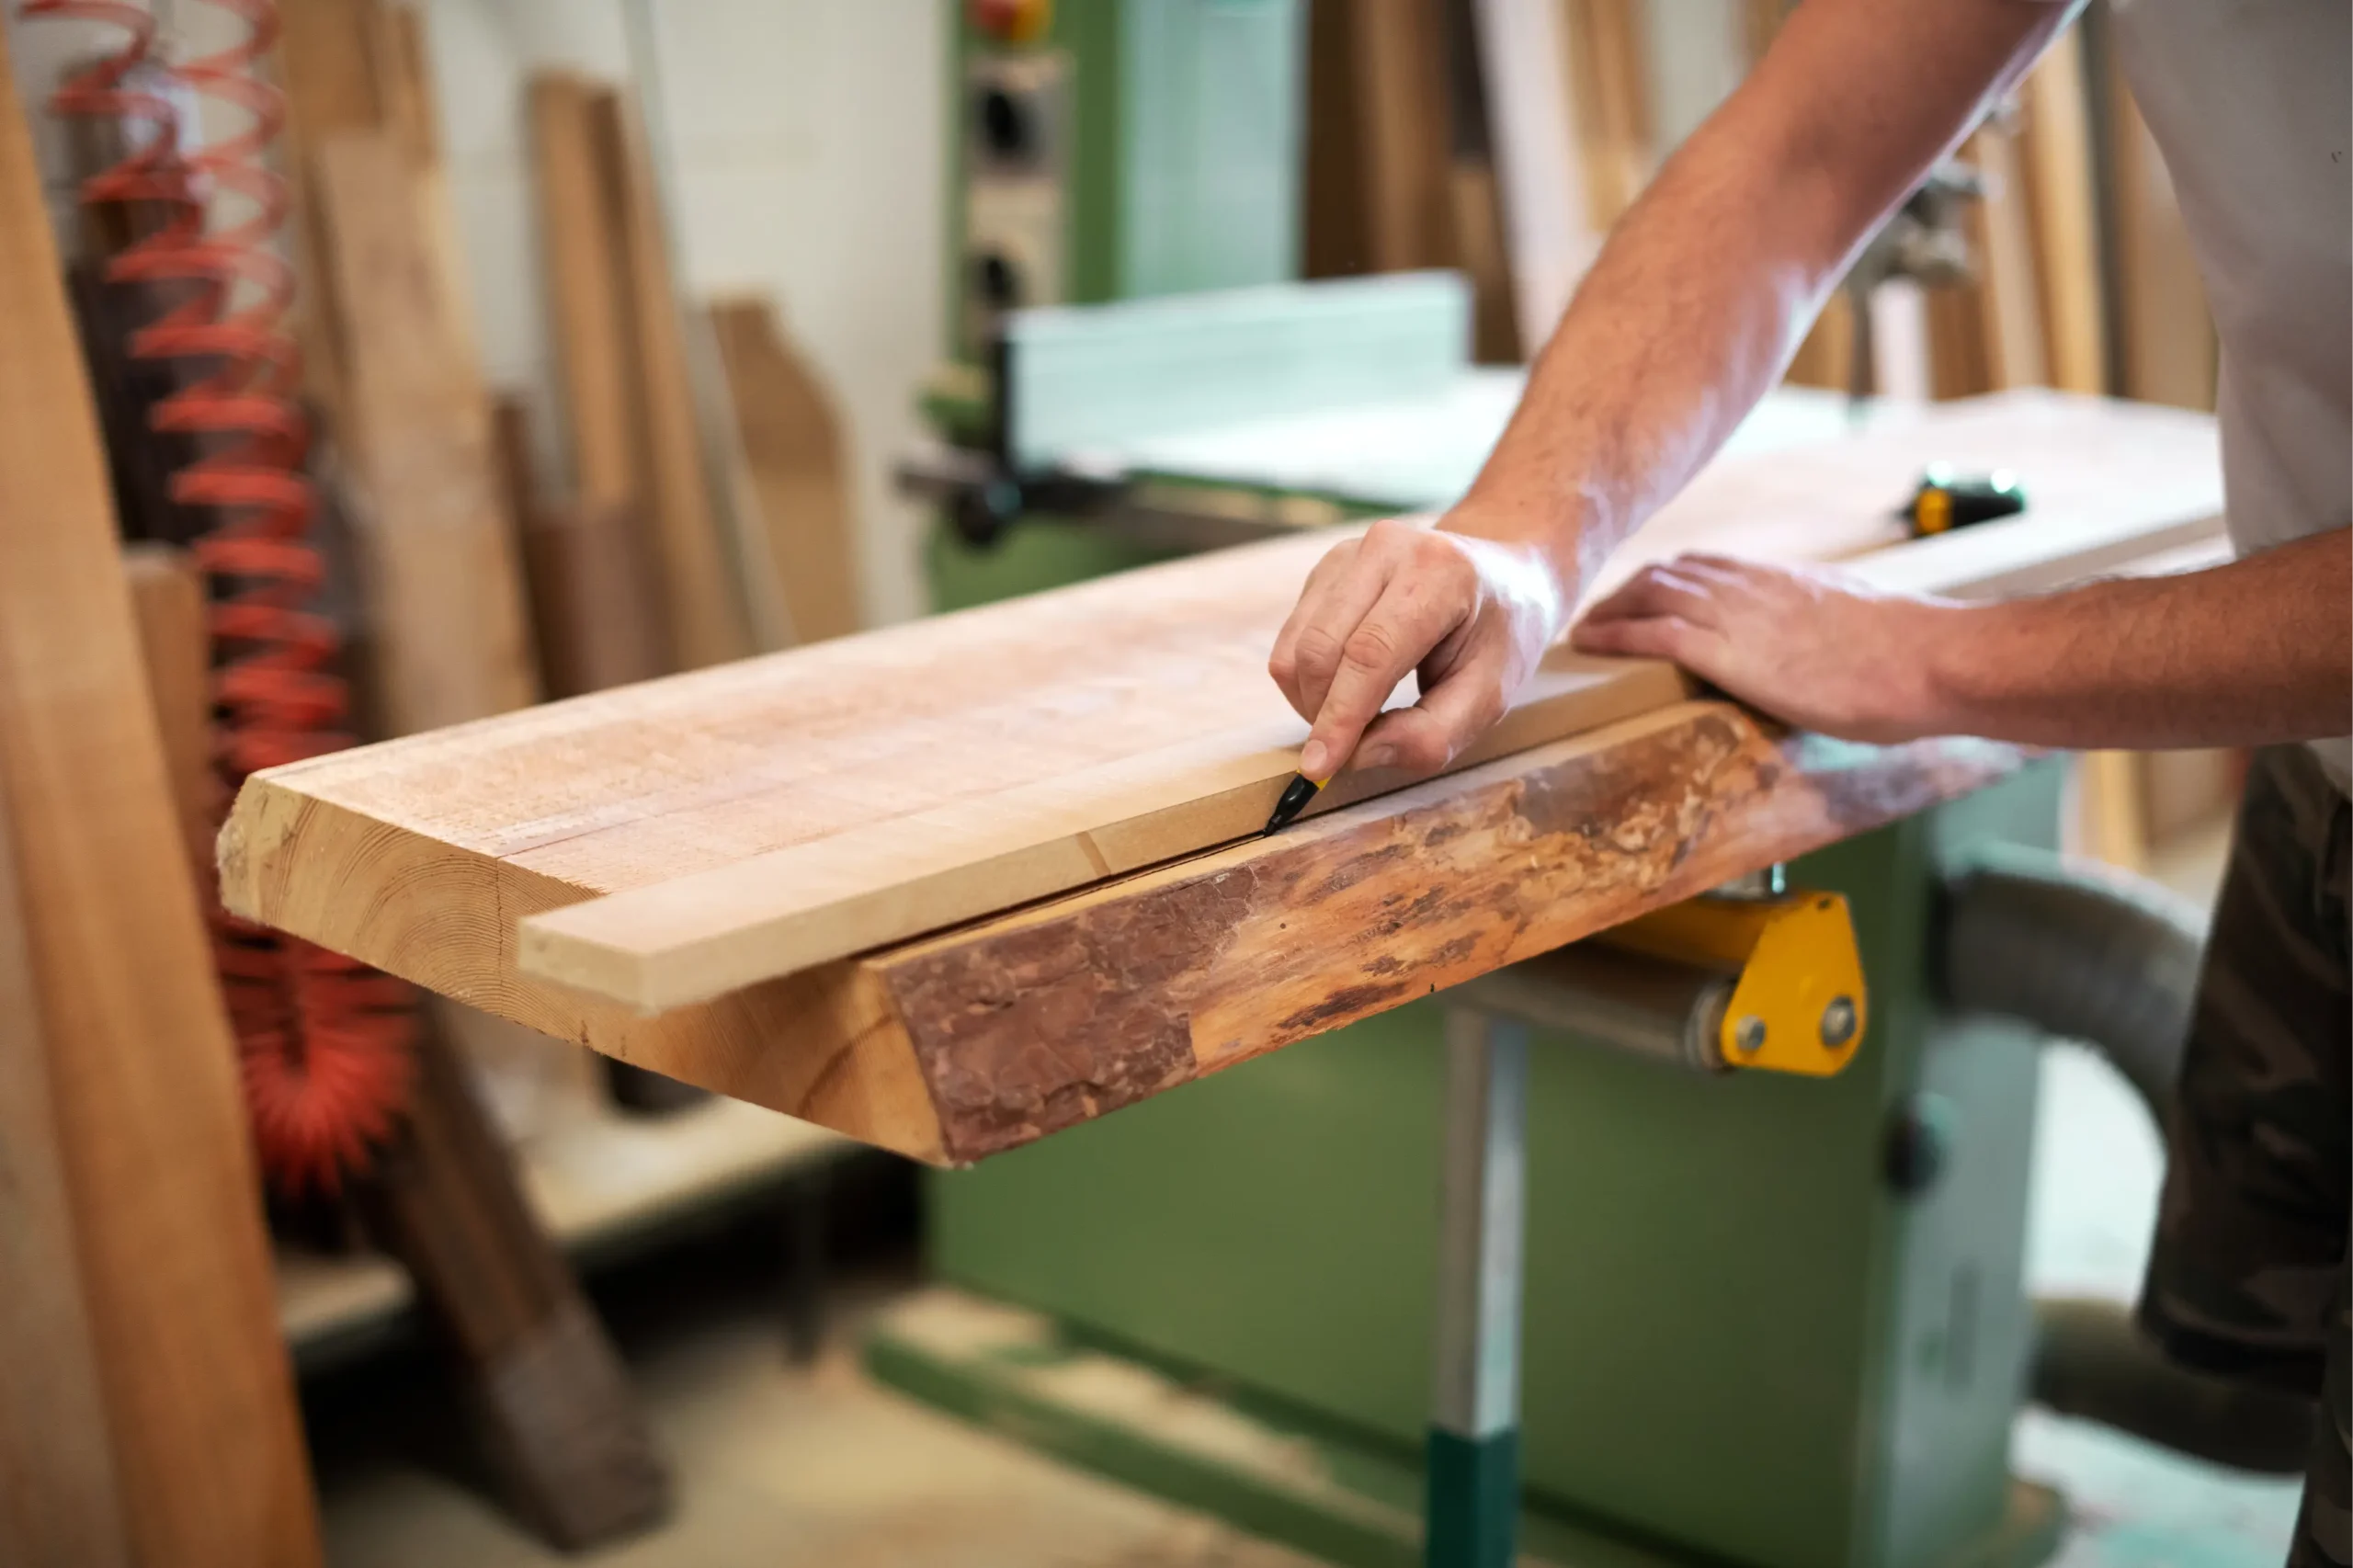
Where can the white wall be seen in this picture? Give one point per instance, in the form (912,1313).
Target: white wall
(809,140)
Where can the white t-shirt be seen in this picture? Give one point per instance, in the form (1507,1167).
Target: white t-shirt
(2252,103)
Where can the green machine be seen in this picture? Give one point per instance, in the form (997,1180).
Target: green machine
(1105,150)
(1764,1320)
(1767,1320)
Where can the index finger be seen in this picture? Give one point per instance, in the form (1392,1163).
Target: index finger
(1393,638)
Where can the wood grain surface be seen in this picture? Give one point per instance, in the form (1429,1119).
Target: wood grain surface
(60,1500)
(444,582)
(176,1274)
(782,811)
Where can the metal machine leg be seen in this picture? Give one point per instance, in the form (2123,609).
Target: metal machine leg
(1473,1489)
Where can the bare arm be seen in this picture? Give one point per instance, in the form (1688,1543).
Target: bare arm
(1687,319)
(2249,653)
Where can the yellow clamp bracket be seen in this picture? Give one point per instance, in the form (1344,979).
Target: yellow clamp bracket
(1799,1005)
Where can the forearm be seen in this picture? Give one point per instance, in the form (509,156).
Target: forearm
(2258,652)
(1705,288)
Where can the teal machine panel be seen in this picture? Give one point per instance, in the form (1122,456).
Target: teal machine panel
(1139,147)
(1769,1320)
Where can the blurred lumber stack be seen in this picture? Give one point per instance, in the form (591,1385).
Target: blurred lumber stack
(448,638)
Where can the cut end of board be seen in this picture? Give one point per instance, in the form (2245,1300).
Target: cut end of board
(648,983)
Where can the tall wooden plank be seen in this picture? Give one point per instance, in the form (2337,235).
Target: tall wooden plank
(1606,55)
(167,598)
(1402,122)
(580,245)
(60,1504)
(327,64)
(791,443)
(2015,355)
(1538,158)
(2055,154)
(443,584)
(199,1394)
(2169,349)
(591,616)
(707,614)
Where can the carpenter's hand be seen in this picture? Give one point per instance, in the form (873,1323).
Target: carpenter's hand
(1472,616)
(1813,646)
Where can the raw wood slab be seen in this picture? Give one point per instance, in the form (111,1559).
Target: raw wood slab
(966,1044)
(780,813)
(167,1215)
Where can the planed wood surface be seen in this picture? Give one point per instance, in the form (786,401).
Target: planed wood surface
(784,811)
(60,1503)
(791,442)
(176,1275)
(443,583)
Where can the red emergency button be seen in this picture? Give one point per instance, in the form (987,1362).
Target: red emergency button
(1014,21)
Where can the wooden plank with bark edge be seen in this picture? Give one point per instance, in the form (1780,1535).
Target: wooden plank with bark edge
(836,794)
(1140,984)
(60,1503)
(176,1274)
(1057,1015)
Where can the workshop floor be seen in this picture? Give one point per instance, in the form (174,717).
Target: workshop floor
(779,1466)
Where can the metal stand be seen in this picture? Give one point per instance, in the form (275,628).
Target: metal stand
(1473,1507)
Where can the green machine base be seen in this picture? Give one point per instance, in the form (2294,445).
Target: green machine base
(1335,1494)
(1768,1320)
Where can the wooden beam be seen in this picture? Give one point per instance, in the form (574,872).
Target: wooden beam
(327,64)
(1536,157)
(1402,122)
(2056,156)
(1610,92)
(2012,318)
(175,1273)
(444,586)
(777,814)
(563,1426)
(793,449)
(61,1502)
(708,615)
(2169,349)
(168,599)
(591,617)
(580,240)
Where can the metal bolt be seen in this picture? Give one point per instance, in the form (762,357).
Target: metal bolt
(1749,1034)
(1837,1022)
